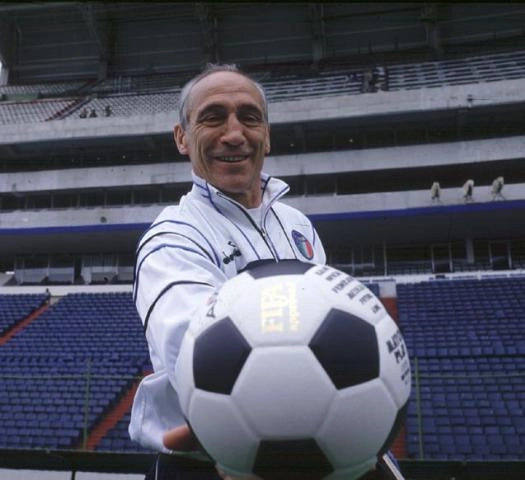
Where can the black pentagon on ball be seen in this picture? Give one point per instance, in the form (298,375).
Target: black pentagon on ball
(300,459)
(346,346)
(218,357)
(269,268)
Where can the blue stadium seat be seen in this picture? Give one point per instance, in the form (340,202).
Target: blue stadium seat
(54,352)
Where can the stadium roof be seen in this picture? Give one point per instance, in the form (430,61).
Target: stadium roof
(50,41)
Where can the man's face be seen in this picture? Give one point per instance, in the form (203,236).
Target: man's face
(227,135)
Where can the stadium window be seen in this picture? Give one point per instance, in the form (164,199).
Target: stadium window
(126,259)
(438,133)
(64,200)
(172,193)
(19,263)
(61,261)
(37,261)
(316,140)
(341,256)
(12,202)
(481,253)
(146,196)
(412,135)
(441,258)
(500,255)
(100,260)
(517,251)
(38,201)
(118,197)
(458,249)
(364,256)
(406,259)
(91,199)
(379,137)
(297,185)
(319,184)
(6,266)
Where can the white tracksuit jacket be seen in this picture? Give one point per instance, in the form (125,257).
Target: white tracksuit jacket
(188,253)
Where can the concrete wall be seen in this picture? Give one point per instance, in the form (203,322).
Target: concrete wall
(318,108)
(286,165)
(311,205)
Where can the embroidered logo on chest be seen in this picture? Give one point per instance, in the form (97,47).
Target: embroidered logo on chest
(235,252)
(303,245)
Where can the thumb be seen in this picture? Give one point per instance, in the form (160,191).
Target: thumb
(180,438)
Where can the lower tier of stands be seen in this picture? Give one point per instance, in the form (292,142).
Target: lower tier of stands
(65,373)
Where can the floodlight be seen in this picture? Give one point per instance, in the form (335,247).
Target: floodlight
(435,192)
(468,190)
(497,187)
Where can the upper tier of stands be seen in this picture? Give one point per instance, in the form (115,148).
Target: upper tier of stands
(159,92)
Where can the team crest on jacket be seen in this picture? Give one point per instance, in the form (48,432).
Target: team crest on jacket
(303,244)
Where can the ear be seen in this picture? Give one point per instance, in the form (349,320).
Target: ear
(179,134)
(267,141)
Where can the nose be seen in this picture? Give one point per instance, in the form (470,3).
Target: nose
(233,133)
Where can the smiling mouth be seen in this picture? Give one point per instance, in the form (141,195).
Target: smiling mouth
(231,158)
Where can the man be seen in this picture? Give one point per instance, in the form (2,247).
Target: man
(230,219)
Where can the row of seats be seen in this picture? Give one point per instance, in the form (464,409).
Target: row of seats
(65,370)
(485,68)
(138,96)
(471,69)
(16,307)
(33,111)
(463,317)
(90,327)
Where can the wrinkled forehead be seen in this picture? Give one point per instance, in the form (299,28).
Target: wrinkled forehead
(223,86)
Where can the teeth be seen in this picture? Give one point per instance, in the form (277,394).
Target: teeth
(231,159)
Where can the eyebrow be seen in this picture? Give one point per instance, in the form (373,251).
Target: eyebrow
(220,108)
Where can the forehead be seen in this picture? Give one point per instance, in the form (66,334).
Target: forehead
(224,87)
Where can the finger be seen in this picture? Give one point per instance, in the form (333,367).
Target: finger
(222,474)
(180,438)
(225,476)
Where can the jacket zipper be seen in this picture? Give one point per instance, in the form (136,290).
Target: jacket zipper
(261,231)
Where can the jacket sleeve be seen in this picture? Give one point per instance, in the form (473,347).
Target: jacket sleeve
(176,273)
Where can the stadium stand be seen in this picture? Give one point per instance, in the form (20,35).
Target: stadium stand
(14,308)
(50,89)
(32,111)
(135,104)
(66,369)
(162,93)
(370,105)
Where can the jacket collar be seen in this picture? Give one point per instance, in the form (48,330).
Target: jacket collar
(273,189)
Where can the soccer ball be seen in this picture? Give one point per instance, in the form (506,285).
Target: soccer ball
(294,370)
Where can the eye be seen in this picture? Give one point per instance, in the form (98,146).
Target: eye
(211,116)
(251,118)
(211,119)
